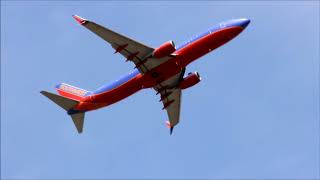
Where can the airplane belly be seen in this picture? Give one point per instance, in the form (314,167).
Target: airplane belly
(207,44)
(219,38)
(107,98)
(162,73)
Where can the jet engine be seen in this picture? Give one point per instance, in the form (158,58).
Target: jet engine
(191,80)
(164,50)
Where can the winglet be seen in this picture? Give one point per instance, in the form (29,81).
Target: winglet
(171,129)
(79,19)
(169,126)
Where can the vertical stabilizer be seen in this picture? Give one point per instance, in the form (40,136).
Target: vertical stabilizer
(71,92)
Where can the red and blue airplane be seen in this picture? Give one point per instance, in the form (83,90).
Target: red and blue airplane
(162,69)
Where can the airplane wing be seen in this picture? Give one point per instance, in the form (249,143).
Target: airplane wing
(132,50)
(171,98)
(172,104)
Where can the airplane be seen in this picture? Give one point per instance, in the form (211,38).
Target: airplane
(162,69)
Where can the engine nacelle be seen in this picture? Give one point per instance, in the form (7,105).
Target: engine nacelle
(191,80)
(164,50)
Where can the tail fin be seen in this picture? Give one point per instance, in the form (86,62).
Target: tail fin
(71,92)
(67,104)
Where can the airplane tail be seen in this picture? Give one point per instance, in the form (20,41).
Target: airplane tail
(67,104)
(71,92)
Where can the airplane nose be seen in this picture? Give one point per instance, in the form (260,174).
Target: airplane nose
(244,22)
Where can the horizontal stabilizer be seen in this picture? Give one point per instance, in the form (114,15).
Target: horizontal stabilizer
(78,120)
(67,104)
(63,102)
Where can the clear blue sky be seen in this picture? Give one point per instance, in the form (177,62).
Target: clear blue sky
(255,114)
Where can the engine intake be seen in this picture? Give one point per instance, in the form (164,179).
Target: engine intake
(191,80)
(164,50)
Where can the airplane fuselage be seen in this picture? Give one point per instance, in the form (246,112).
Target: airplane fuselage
(185,54)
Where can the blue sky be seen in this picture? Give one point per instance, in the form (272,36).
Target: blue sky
(255,114)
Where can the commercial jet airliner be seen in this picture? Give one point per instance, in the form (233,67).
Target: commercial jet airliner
(162,69)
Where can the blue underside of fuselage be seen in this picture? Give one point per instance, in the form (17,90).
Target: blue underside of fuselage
(232,23)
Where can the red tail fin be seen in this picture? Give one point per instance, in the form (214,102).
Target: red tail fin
(71,92)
